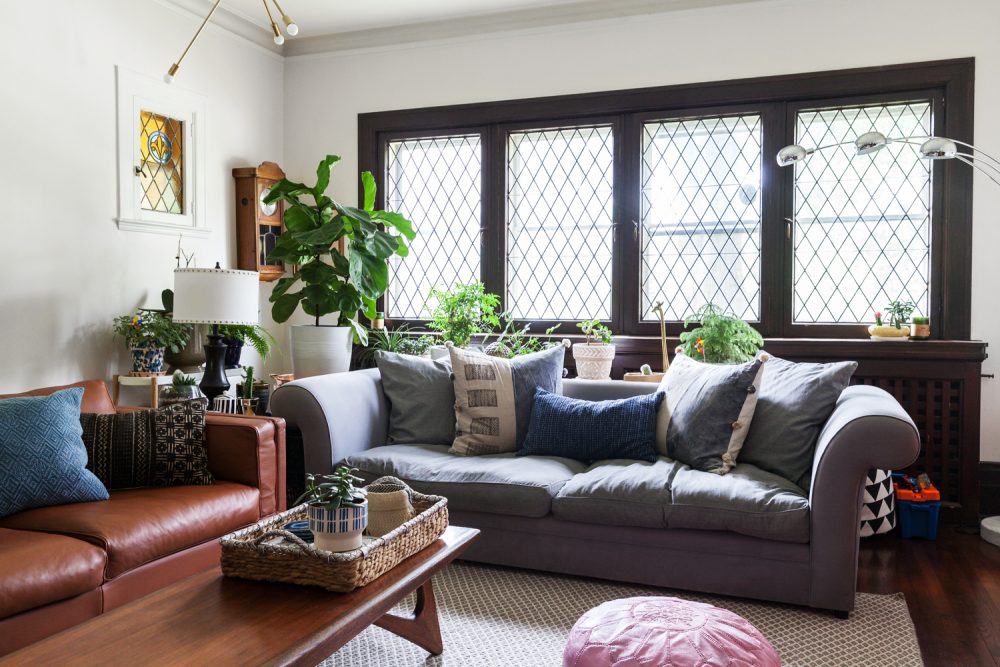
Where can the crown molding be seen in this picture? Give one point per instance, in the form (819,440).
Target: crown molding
(232,22)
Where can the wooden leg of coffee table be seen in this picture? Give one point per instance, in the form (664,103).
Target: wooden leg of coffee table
(422,626)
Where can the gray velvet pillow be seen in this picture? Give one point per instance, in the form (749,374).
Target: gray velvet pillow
(794,403)
(421,399)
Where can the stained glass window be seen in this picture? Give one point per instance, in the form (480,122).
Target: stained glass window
(161,154)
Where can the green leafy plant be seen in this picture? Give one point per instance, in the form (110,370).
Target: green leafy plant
(463,311)
(330,281)
(399,340)
(646,369)
(151,327)
(899,313)
(720,337)
(181,380)
(333,491)
(248,382)
(595,332)
(416,345)
(254,335)
(514,341)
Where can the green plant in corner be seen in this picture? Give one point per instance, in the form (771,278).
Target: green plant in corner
(330,281)
(899,313)
(595,332)
(254,335)
(720,337)
(333,491)
(464,311)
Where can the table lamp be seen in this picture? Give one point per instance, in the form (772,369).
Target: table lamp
(215,296)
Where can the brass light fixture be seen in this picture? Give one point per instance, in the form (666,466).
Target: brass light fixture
(290,27)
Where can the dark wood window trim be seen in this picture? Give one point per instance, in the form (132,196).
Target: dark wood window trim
(949,83)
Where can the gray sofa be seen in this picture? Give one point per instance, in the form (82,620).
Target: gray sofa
(749,533)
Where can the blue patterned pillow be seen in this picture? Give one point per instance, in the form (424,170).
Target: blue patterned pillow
(42,456)
(592,430)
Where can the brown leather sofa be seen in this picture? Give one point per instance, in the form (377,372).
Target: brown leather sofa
(61,565)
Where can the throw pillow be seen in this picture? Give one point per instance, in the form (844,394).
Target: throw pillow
(494,396)
(707,411)
(792,407)
(421,399)
(592,430)
(42,457)
(180,453)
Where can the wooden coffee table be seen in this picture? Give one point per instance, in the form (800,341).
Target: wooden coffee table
(208,619)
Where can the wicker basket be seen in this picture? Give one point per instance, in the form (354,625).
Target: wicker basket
(256,552)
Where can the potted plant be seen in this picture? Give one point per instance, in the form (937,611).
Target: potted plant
(399,340)
(720,337)
(514,341)
(337,510)
(148,334)
(253,393)
(594,356)
(237,335)
(462,312)
(315,237)
(181,388)
(899,314)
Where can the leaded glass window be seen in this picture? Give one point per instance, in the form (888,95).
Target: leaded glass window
(161,168)
(862,223)
(701,216)
(437,183)
(560,231)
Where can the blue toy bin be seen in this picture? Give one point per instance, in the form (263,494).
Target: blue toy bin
(918,519)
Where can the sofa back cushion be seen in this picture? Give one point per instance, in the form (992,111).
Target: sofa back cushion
(42,457)
(95,395)
(421,399)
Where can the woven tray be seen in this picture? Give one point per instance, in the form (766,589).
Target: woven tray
(265,552)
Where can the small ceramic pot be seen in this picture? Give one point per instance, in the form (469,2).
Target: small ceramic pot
(148,358)
(338,529)
(593,360)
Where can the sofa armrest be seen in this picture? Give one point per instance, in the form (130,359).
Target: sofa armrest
(868,429)
(337,415)
(251,451)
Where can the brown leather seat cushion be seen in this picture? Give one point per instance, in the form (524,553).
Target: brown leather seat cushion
(37,569)
(137,526)
(95,396)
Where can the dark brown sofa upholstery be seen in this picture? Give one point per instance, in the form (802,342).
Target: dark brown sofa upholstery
(61,565)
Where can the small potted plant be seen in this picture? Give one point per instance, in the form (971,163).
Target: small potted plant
(148,334)
(337,510)
(594,356)
(899,314)
(253,394)
(182,388)
(238,335)
(719,338)
(462,312)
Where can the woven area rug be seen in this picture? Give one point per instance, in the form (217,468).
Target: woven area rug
(493,616)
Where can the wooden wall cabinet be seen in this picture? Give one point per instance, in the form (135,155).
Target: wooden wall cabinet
(258,225)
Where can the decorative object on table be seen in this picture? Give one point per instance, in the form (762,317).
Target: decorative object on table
(898,313)
(421,399)
(645,374)
(300,529)
(238,335)
(462,312)
(378,323)
(662,315)
(337,510)
(148,334)
(918,505)
(181,388)
(878,503)
(920,328)
(42,456)
(720,337)
(315,242)
(260,392)
(389,505)
(227,405)
(259,225)
(264,552)
(707,412)
(667,632)
(279,38)
(494,396)
(282,378)
(514,341)
(595,355)
(248,399)
(215,296)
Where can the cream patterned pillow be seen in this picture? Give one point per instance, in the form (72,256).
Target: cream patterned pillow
(493,396)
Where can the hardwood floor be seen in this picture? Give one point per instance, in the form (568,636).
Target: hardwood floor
(952,588)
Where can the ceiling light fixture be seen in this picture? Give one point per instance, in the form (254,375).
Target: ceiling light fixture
(290,27)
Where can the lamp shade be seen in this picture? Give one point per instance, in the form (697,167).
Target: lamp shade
(216,296)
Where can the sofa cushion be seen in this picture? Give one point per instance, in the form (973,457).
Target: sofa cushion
(137,526)
(39,569)
(619,492)
(748,500)
(494,483)
(95,395)
(421,398)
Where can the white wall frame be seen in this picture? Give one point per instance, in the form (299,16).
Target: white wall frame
(137,93)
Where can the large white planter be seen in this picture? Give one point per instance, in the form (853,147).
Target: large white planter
(339,529)
(320,350)
(593,360)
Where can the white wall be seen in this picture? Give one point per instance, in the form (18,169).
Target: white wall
(66,269)
(757,39)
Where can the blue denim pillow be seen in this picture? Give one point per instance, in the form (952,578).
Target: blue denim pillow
(592,430)
(42,456)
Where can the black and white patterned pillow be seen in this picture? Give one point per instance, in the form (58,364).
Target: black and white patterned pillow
(119,448)
(180,454)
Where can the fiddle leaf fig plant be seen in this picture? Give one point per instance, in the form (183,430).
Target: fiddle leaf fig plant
(330,281)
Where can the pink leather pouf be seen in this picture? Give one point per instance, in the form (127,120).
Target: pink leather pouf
(665,632)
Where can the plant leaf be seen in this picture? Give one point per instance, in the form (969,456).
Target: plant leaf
(383,245)
(300,218)
(360,332)
(369,273)
(284,306)
(282,286)
(323,175)
(368,181)
(396,221)
(324,235)
(286,190)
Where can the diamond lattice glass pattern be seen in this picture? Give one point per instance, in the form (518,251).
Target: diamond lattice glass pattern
(436,183)
(161,158)
(560,227)
(701,216)
(862,223)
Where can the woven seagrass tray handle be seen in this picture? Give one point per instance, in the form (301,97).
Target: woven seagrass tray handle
(291,537)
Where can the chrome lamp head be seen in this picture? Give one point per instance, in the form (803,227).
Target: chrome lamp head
(870,142)
(791,154)
(938,148)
